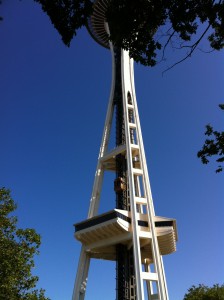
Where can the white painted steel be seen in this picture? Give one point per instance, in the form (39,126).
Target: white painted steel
(94,202)
(128,86)
(143,198)
(150,276)
(149,285)
(162,287)
(81,276)
(84,260)
(136,238)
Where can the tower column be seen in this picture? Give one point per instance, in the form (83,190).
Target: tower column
(130,235)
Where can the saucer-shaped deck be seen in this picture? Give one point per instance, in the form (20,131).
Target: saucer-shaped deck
(102,233)
(96,23)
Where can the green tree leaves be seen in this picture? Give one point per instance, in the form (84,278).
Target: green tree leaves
(143,27)
(213,146)
(67,16)
(203,292)
(17,250)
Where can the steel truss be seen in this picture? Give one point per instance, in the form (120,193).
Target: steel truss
(138,243)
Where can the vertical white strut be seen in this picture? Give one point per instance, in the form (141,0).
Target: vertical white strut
(130,175)
(159,275)
(84,259)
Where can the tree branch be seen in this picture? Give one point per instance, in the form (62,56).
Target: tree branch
(193,47)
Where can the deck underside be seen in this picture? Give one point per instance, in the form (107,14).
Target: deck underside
(101,234)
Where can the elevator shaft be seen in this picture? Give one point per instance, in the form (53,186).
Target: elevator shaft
(125,278)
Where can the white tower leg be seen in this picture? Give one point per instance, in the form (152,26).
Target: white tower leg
(84,259)
(159,275)
(142,231)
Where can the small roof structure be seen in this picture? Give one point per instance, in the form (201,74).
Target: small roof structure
(96,23)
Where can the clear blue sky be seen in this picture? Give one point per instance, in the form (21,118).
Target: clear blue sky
(53,105)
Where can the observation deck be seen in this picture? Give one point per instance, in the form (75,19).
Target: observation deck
(96,23)
(102,233)
(131,234)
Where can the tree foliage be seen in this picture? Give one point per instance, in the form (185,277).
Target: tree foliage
(67,16)
(202,292)
(213,146)
(17,250)
(1,16)
(146,28)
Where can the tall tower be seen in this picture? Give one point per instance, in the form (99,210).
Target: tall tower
(131,234)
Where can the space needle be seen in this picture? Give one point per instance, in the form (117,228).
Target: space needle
(131,234)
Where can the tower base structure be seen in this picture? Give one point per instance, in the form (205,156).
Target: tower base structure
(131,234)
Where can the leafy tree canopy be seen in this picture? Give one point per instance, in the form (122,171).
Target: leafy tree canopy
(17,250)
(146,28)
(213,146)
(1,16)
(202,292)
